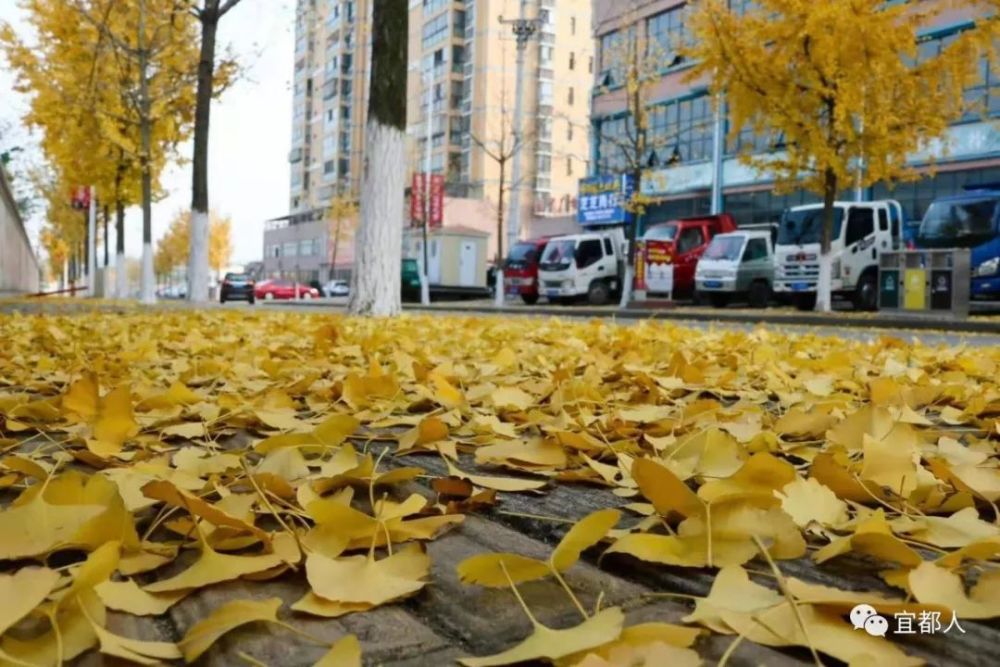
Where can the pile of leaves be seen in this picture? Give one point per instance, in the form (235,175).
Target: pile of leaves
(149,455)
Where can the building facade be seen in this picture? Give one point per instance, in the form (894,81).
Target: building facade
(330,89)
(18,264)
(680,177)
(461,89)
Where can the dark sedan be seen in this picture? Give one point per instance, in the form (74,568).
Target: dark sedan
(236,287)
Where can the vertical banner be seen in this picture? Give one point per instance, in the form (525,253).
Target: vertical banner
(437,200)
(417,199)
(640,265)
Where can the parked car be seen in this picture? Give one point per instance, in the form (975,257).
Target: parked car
(284,289)
(236,287)
(173,292)
(520,273)
(410,280)
(735,264)
(337,288)
(587,265)
(674,248)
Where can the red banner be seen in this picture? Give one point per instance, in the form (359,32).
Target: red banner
(437,200)
(418,193)
(417,199)
(81,197)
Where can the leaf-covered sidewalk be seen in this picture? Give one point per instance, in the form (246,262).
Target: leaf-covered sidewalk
(277,487)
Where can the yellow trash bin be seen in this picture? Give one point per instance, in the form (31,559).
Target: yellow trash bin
(914,289)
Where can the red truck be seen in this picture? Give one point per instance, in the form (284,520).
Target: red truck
(672,250)
(520,270)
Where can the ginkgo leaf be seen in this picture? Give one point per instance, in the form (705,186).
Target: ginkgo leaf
(36,527)
(170,494)
(23,591)
(360,579)
(512,397)
(666,492)
(213,567)
(584,534)
(731,590)
(135,650)
(808,501)
(200,636)
(81,400)
(128,597)
(345,652)
(488,569)
(651,654)
(637,637)
(935,585)
(310,603)
(546,643)
(510,484)
(115,423)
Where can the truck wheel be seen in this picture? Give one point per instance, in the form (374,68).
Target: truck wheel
(598,294)
(759,295)
(805,301)
(530,299)
(718,300)
(866,293)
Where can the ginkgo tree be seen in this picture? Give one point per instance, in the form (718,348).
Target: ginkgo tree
(173,247)
(840,81)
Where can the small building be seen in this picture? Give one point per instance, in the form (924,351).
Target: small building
(456,254)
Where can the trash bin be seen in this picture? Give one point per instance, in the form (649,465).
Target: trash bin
(933,282)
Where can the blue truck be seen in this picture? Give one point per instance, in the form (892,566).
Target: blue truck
(968,220)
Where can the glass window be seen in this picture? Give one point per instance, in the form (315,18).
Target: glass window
(661,233)
(588,252)
(306,248)
(756,249)
(805,225)
(883,220)
(689,239)
(860,224)
(725,247)
(962,223)
(608,249)
(290,249)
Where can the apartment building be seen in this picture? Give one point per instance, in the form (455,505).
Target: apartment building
(680,175)
(462,80)
(330,89)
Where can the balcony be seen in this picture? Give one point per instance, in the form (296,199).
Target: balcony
(295,155)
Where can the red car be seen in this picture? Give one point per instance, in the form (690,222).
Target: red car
(283,289)
(681,243)
(520,271)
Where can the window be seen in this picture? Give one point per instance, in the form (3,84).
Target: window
(756,249)
(588,252)
(544,163)
(569,166)
(572,60)
(608,250)
(666,32)
(435,30)
(329,167)
(608,53)
(306,248)
(569,96)
(860,223)
(569,131)
(590,65)
(290,249)
(690,238)
(572,25)
(883,220)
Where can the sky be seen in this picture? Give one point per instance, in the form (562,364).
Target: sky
(250,130)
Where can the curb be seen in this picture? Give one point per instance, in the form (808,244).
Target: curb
(875,322)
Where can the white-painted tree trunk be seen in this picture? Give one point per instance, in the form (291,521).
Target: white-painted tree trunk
(498,288)
(627,282)
(824,300)
(425,288)
(147,285)
(198,270)
(379,242)
(121,277)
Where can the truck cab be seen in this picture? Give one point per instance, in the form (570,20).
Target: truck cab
(737,264)
(577,265)
(678,245)
(861,230)
(520,271)
(968,220)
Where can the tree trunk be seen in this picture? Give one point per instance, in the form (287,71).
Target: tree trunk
(631,232)
(198,261)
(336,246)
(121,285)
(498,273)
(823,297)
(375,282)
(147,287)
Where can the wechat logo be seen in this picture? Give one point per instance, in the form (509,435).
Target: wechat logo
(864,617)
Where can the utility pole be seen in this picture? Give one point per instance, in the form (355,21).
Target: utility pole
(425,281)
(524,29)
(718,144)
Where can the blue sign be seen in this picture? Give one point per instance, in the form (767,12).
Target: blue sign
(602,199)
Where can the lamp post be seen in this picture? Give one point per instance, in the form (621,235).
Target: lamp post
(523,29)
(425,283)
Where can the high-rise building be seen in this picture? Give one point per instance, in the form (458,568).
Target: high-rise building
(330,89)
(463,58)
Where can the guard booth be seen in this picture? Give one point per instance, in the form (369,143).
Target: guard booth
(930,282)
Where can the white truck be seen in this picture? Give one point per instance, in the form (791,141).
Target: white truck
(861,230)
(590,264)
